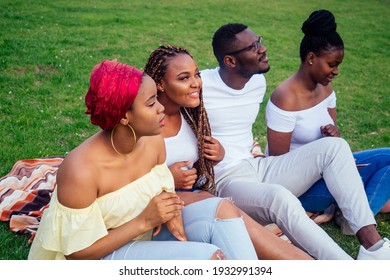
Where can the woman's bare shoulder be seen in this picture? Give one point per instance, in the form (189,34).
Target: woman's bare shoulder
(284,96)
(76,179)
(156,148)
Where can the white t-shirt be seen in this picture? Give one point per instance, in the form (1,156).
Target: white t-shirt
(183,146)
(305,124)
(231,114)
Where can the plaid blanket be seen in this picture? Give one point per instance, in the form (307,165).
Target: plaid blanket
(26,190)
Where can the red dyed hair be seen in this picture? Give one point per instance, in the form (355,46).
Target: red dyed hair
(113,88)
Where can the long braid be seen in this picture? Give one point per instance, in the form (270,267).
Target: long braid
(156,67)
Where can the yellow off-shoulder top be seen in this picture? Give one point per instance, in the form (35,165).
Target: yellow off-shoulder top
(64,230)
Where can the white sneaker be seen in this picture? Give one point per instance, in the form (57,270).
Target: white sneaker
(383,253)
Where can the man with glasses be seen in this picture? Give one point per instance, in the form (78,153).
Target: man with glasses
(267,187)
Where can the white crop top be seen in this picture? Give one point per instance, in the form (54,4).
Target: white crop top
(304,124)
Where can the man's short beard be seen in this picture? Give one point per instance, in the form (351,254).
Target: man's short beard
(264,71)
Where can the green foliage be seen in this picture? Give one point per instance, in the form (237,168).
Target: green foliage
(48,48)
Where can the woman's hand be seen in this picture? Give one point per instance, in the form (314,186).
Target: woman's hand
(176,227)
(330,130)
(184,178)
(162,208)
(213,150)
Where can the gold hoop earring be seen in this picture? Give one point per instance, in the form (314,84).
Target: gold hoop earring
(112,139)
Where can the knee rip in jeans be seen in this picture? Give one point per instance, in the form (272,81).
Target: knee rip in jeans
(218,255)
(227,210)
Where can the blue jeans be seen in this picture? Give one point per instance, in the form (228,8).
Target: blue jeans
(376,179)
(205,232)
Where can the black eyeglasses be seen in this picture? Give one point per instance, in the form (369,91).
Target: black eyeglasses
(255,46)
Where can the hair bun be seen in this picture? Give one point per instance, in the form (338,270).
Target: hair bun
(319,23)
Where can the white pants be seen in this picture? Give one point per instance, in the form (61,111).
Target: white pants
(267,190)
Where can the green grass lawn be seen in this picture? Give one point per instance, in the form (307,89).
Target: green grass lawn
(48,48)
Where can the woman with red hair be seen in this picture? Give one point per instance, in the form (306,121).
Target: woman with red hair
(114,191)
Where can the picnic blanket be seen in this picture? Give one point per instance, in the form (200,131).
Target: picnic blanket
(26,190)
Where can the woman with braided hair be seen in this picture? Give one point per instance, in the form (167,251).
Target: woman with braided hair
(302,109)
(114,191)
(194,114)
(187,134)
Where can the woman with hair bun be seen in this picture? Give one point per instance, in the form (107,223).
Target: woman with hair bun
(302,109)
